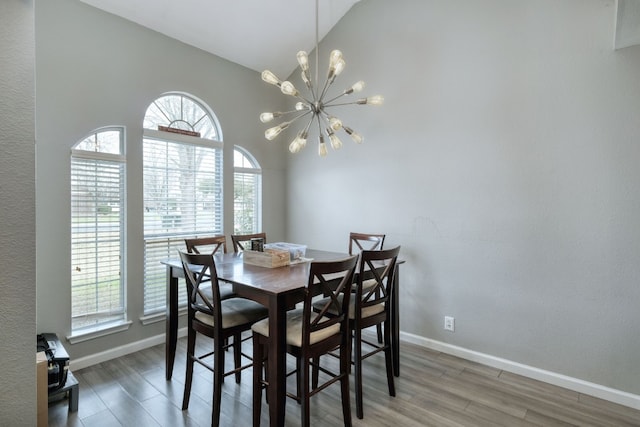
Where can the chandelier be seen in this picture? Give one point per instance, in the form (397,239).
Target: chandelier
(316,104)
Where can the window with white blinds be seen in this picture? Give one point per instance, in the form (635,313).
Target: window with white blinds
(182,184)
(97,230)
(247,192)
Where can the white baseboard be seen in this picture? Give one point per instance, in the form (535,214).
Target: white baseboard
(575,384)
(123,350)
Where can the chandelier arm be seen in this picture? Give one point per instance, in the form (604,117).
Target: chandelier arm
(300,116)
(327,118)
(319,127)
(282,113)
(344,103)
(335,97)
(327,83)
(302,98)
(306,128)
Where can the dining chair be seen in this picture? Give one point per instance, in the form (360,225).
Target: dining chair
(370,305)
(365,241)
(211,245)
(359,242)
(239,240)
(217,319)
(311,334)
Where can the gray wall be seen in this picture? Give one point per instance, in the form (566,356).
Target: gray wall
(95,69)
(505,162)
(17,213)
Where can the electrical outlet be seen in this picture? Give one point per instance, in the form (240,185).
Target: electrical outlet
(449,323)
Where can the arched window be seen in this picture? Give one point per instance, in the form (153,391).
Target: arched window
(97,231)
(247,193)
(182,171)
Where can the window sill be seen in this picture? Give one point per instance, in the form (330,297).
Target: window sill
(159,317)
(97,332)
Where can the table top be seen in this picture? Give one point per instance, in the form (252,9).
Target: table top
(231,268)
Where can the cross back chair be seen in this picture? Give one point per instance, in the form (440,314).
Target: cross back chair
(311,334)
(359,242)
(371,306)
(211,245)
(240,240)
(217,319)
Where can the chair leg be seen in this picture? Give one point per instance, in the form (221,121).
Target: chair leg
(388,358)
(379,330)
(218,376)
(191,346)
(237,355)
(315,372)
(303,389)
(379,326)
(257,380)
(345,364)
(357,359)
(299,380)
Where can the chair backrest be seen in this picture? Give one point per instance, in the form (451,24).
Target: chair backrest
(359,242)
(239,240)
(209,245)
(378,269)
(333,280)
(200,272)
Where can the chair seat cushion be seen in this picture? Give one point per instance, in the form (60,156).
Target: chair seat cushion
(226,290)
(367,284)
(366,311)
(294,329)
(235,312)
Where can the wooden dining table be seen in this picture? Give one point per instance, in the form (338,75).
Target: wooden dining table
(278,289)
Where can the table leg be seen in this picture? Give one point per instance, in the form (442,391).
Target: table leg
(277,361)
(395,319)
(171,336)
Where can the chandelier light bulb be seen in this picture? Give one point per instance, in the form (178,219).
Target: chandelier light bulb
(271,78)
(299,142)
(339,67)
(335,123)
(301,106)
(266,117)
(295,146)
(354,135)
(303,60)
(357,87)
(275,131)
(306,79)
(334,57)
(375,100)
(336,144)
(322,149)
(288,88)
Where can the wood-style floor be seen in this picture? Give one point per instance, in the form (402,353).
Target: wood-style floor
(434,389)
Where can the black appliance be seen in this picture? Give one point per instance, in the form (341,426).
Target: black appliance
(57,357)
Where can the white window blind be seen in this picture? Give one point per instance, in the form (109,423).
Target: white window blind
(247,191)
(97,230)
(182,156)
(182,198)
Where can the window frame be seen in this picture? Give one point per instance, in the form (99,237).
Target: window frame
(158,246)
(101,321)
(256,171)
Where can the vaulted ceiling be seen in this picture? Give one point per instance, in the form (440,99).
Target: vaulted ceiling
(259,34)
(266,34)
